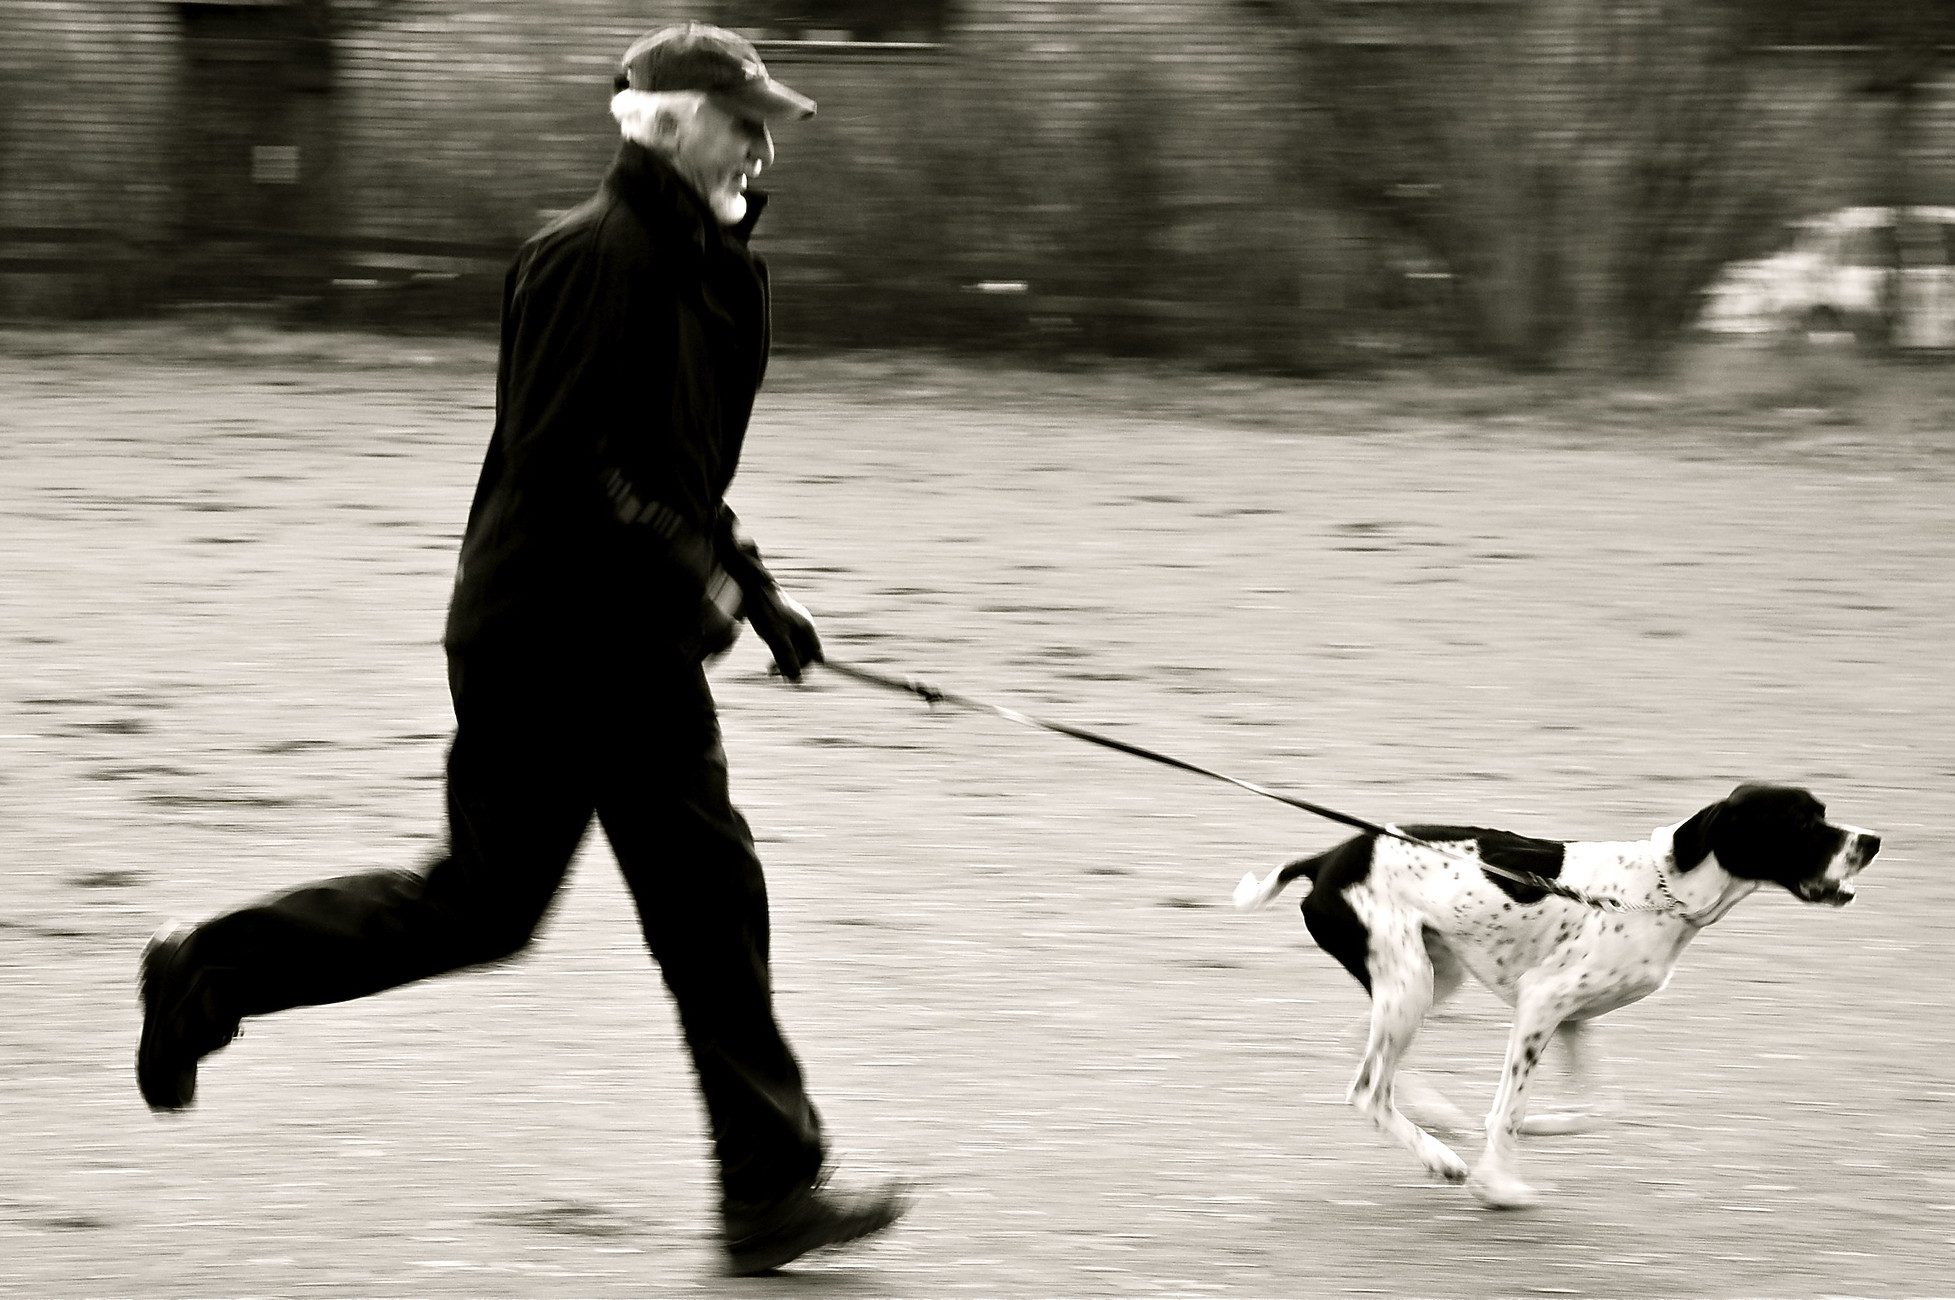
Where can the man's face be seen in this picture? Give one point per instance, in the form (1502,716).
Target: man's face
(721,151)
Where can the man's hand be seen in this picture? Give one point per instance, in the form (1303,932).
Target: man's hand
(788,629)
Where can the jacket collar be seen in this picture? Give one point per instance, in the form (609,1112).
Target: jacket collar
(668,204)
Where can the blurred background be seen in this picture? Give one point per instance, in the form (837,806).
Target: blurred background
(1526,413)
(1294,186)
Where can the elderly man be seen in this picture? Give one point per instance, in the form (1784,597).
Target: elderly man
(600,568)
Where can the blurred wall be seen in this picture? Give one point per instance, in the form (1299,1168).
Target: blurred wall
(1120,160)
(1129,164)
(87,187)
(1128,175)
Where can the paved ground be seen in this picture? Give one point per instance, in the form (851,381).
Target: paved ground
(1006,958)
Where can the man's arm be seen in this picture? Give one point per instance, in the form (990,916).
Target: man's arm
(777,618)
(643,441)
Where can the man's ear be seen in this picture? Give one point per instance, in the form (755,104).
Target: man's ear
(1693,842)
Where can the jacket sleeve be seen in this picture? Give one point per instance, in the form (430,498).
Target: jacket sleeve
(643,435)
(738,556)
(585,382)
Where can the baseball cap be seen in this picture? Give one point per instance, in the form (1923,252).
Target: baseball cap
(700,56)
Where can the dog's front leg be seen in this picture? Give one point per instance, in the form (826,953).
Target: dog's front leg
(1496,1179)
(1592,1107)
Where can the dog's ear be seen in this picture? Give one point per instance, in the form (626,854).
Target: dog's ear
(1693,840)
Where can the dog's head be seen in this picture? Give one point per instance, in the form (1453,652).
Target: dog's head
(1778,835)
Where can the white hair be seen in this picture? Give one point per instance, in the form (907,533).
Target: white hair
(655,118)
(659,120)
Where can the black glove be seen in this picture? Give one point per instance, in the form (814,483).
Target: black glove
(787,628)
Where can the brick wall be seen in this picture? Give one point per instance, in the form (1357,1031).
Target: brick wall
(1065,143)
(1145,168)
(86,95)
(1067,138)
(86,89)
(462,120)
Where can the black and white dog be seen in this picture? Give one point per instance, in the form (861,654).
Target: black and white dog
(1411,919)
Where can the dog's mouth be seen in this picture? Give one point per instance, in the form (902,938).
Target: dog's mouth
(1828,892)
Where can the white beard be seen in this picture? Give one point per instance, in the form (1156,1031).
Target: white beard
(729,205)
(727,200)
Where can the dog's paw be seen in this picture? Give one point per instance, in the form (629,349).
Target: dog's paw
(1499,1190)
(1440,1160)
(1248,891)
(1564,1123)
(1429,1109)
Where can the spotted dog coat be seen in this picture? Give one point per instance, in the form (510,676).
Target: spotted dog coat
(1411,920)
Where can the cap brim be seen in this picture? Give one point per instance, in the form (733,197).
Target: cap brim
(770,101)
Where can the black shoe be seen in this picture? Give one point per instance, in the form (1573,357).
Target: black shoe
(762,1238)
(181,1025)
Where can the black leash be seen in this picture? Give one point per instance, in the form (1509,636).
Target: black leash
(933,695)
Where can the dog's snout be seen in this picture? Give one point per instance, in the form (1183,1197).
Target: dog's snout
(1859,850)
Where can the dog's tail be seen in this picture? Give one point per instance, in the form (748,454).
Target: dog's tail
(1251,893)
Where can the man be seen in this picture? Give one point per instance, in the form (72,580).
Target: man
(599,569)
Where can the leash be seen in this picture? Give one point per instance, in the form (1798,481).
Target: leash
(933,695)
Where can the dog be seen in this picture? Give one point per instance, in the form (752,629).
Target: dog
(1411,911)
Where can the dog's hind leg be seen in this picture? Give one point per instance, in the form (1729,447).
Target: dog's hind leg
(1425,1105)
(1401,994)
(1422,1103)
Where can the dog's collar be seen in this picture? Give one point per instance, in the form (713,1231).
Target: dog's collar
(1697,918)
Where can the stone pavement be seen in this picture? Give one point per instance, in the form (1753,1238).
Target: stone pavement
(1007,959)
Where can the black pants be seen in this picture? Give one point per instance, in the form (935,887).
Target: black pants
(538,749)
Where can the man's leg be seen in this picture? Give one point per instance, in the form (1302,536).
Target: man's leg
(688,858)
(689,861)
(518,802)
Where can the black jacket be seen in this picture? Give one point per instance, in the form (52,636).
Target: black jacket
(634,339)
